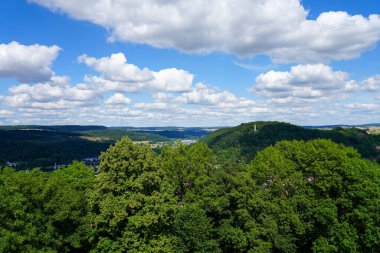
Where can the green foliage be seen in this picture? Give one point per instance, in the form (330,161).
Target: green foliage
(195,230)
(43,212)
(294,196)
(184,166)
(129,206)
(326,195)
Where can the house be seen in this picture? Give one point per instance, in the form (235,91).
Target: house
(91,159)
(10,164)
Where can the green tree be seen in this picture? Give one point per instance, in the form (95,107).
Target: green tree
(195,230)
(319,195)
(185,165)
(131,209)
(43,212)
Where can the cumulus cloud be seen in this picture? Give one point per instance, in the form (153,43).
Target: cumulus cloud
(278,28)
(118,99)
(305,82)
(204,96)
(115,68)
(372,83)
(27,63)
(55,93)
(173,79)
(118,75)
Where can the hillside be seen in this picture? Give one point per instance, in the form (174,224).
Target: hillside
(243,142)
(30,146)
(61,128)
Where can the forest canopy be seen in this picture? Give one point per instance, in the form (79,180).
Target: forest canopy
(295,196)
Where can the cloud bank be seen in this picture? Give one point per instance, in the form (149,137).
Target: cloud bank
(277,28)
(121,93)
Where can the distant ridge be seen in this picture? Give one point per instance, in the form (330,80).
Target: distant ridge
(344,125)
(61,128)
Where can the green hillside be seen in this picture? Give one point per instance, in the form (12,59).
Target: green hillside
(43,148)
(243,142)
(32,148)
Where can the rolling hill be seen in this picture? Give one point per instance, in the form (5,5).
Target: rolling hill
(243,142)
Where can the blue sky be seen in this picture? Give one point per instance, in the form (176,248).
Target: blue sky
(189,63)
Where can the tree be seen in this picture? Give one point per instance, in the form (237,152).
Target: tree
(42,211)
(130,207)
(320,196)
(195,230)
(184,165)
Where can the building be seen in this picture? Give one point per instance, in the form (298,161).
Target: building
(188,142)
(11,164)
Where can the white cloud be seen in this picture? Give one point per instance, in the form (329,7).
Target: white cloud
(173,79)
(361,106)
(372,83)
(51,91)
(115,68)
(118,99)
(305,94)
(5,112)
(278,28)
(27,63)
(332,36)
(304,82)
(118,75)
(104,85)
(152,106)
(205,96)
(18,100)
(55,93)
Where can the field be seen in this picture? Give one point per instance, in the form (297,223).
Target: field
(373,130)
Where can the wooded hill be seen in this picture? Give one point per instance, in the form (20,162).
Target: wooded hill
(243,142)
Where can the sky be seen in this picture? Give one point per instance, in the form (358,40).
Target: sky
(189,63)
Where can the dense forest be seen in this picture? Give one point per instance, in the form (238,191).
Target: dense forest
(294,196)
(35,148)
